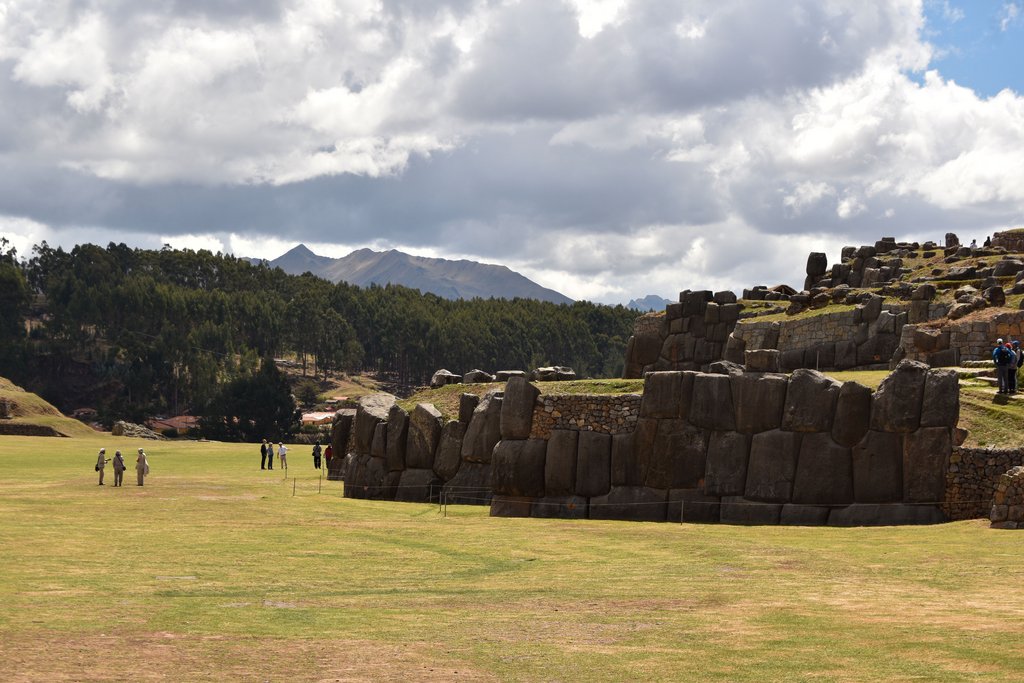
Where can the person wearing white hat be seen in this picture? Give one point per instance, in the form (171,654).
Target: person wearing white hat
(101,463)
(141,466)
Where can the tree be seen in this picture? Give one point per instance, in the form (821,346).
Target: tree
(252,408)
(308,393)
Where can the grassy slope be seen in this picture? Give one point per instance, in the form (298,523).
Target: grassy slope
(31,409)
(214,571)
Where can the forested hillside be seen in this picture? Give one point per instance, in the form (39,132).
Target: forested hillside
(139,332)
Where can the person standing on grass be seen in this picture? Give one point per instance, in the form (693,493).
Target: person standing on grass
(316,455)
(282,452)
(1001,357)
(263,455)
(270,455)
(101,463)
(328,454)
(119,468)
(141,466)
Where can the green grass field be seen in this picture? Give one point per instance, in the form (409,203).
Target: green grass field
(215,571)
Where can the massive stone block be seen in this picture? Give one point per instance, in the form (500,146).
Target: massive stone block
(372,409)
(759,400)
(941,402)
(560,466)
(678,348)
(471,485)
(824,472)
(679,456)
(692,505)
(846,355)
(560,507)
(623,464)
(896,406)
(341,429)
(662,394)
(873,514)
(512,506)
(379,445)
(467,404)
(878,468)
(644,436)
(518,468)
(736,510)
(418,486)
(726,468)
(425,424)
(646,348)
(448,456)
(712,406)
(925,456)
(810,402)
(398,432)
(634,503)
(772,466)
(593,464)
(368,478)
(804,515)
(484,430)
(853,414)
(517,408)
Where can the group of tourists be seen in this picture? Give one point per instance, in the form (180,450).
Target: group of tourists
(141,466)
(1008,357)
(267,455)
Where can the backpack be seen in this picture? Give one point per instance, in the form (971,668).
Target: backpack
(1001,355)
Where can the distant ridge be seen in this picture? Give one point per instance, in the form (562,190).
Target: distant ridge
(448,279)
(651,302)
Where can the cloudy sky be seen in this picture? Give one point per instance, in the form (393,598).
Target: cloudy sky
(605,148)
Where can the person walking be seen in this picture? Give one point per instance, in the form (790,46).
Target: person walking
(282,452)
(263,455)
(101,463)
(119,468)
(141,466)
(316,455)
(1001,357)
(270,455)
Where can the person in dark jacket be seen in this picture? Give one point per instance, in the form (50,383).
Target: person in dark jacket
(1001,357)
(316,455)
(119,468)
(263,455)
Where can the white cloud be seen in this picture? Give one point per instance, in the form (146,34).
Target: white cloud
(612,148)
(23,233)
(1010,14)
(211,243)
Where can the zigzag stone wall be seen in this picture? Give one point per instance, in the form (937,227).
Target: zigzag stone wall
(749,448)
(744,448)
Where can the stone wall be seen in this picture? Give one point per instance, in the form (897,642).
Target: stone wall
(582,412)
(748,448)
(1008,501)
(961,340)
(972,478)
(1011,240)
(690,335)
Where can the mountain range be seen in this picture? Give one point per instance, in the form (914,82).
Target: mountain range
(651,302)
(449,279)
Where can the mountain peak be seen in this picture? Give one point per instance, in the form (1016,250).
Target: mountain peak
(449,279)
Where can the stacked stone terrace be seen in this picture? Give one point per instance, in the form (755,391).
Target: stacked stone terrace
(877,333)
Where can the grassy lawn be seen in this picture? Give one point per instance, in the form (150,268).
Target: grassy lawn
(215,571)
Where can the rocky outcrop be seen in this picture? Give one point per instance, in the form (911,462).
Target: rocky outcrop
(134,431)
